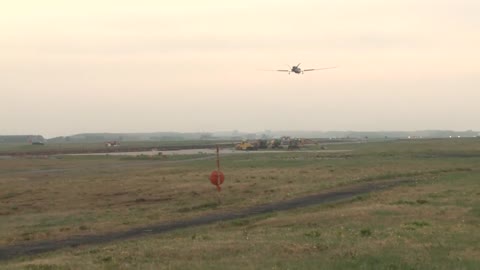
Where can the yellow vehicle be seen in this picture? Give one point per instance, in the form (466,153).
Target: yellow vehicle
(244,146)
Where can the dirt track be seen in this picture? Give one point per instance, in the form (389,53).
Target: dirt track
(12,251)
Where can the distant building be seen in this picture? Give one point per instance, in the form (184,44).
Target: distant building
(36,140)
(112,144)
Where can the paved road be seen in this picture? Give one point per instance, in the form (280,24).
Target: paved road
(125,164)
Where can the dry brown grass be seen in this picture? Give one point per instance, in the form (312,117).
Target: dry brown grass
(84,196)
(103,194)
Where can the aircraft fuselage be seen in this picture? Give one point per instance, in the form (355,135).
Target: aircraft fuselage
(296,69)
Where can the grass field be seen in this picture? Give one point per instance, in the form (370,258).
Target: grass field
(432,224)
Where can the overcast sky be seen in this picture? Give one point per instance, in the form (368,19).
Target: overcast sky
(138,66)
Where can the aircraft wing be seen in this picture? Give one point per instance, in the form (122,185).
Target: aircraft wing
(312,69)
(283,70)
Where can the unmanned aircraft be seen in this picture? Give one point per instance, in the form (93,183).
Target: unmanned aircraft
(296,69)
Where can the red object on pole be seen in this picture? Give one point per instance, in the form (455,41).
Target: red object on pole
(217,177)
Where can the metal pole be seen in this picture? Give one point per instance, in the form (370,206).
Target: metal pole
(218,175)
(218,162)
(218,169)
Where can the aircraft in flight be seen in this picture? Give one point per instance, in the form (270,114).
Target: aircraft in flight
(296,69)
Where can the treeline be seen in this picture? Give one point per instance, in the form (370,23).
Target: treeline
(21,138)
(235,135)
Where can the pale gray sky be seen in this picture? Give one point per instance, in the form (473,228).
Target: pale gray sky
(137,66)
